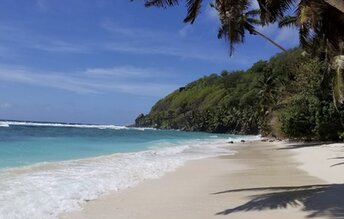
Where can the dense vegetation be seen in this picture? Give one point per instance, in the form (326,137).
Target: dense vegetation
(317,22)
(288,96)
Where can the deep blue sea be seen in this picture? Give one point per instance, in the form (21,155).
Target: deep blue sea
(50,168)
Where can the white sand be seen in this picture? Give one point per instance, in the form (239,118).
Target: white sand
(263,180)
(325,161)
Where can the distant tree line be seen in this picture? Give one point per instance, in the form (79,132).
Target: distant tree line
(287,96)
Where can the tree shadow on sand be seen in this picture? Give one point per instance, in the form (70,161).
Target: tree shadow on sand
(317,200)
(303,145)
(337,164)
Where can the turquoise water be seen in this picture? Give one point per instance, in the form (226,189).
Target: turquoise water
(29,143)
(46,168)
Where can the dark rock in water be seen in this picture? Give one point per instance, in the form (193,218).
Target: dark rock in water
(272,140)
(243,141)
(231,142)
(264,140)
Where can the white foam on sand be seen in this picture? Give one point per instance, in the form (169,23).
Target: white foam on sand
(45,190)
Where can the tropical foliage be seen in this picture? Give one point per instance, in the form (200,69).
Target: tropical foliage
(319,23)
(287,96)
(295,94)
(317,20)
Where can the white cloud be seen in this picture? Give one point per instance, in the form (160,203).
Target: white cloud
(185,30)
(85,82)
(125,40)
(269,30)
(42,5)
(182,50)
(29,39)
(6,52)
(288,36)
(151,42)
(255,4)
(60,46)
(120,30)
(211,14)
(55,80)
(5,105)
(127,72)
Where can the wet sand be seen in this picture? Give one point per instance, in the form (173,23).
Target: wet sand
(263,180)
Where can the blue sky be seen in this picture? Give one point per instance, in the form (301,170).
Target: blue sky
(106,61)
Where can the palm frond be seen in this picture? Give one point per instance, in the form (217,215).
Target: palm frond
(250,28)
(318,21)
(253,13)
(161,3)
(288,21)
(231,14)
(194,7)
(305,35)
(254,21)
(272,10)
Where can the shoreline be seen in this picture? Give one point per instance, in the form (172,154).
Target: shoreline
(262,180)
(45,190)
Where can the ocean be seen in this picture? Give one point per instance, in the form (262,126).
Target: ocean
(50,168)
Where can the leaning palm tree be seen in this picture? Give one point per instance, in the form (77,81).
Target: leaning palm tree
(326,16)
(237,22)
(338,4)
(234,15)
(318,23)
(320,31)
(271,9)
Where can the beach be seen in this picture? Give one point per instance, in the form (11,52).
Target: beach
(262,180)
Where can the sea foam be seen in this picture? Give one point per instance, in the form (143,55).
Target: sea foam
(45,190)
(66,125)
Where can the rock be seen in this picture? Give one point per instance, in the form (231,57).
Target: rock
(271,140)
(243,141)
(231,142)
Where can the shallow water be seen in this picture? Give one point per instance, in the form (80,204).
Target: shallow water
(47,169)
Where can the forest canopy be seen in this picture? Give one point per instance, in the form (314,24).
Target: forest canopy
(287,96)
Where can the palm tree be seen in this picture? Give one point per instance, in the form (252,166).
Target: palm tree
(271,9)
(338,82)
(339,4)
(267,94)
(319,27)
(324,17)
(234,15)
(318,22)
(234,25)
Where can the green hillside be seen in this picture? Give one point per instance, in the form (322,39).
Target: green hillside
(285,96)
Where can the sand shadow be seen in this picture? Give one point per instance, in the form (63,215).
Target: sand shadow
(337,164)
(316,200)
(304,145)
(336,158)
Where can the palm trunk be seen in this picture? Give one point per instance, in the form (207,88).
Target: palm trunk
(339,4)
(338,85)
(270,40)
